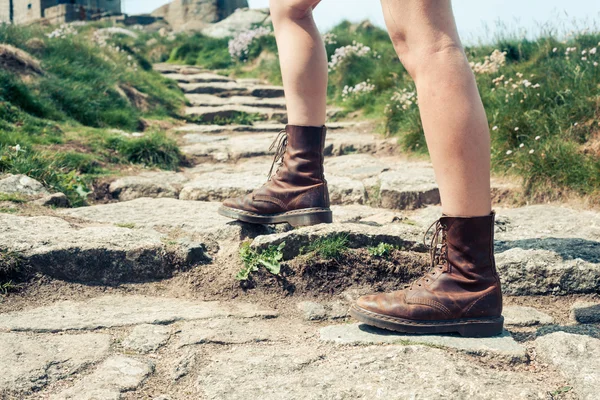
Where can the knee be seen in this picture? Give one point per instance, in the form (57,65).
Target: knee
(291,9)
(418,52)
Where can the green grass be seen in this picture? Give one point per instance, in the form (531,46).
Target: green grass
(11,266)
(64,120)
(252,260)
(382,250)
(329,248)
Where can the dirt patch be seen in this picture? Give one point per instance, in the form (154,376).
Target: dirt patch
(310,275)
(18,61)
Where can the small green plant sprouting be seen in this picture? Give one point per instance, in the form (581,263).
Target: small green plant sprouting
(8,287)
(560,391)
(128,225)
(329,248)
(252,260)
(383,250)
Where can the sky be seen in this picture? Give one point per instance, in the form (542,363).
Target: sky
(477,19)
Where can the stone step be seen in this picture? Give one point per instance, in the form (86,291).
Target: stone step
(258,127)
(202,77)
(234,147)
(210,114)
(225,89)
(117,243)
(209,100)
(540,250)
(167,69)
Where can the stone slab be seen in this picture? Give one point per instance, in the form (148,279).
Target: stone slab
(525,316)
(408,188)
(358,334)
(255,128)
(386,372)
(202,77)
(232,89)
(210,114)
(30,363)
(116,375)
(147,338)
(22,185)
(147,184)
(208,100)
(227,331)
(92,254)
(115,310)
(586,312)
(358,235)
(191,217)
(233,147)
(577,357)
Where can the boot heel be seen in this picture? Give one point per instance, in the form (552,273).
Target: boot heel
(310,218)
(488,328)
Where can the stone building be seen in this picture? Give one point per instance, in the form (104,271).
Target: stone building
(191,15)
(55,11)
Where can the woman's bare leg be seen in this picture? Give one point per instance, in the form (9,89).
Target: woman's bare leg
(425,37)
(303,61)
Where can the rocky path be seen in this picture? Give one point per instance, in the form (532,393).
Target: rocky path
(136,299)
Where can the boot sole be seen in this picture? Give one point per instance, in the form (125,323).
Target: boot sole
(304,217)
(468,327)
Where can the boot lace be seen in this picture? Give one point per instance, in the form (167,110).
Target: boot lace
(438,252)
(280,144)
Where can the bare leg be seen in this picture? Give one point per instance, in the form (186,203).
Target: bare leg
(425,37)
(303,61)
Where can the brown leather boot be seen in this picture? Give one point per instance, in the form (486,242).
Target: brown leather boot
(461,294)
(297,192)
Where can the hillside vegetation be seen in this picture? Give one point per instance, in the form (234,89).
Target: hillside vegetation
(67,116)
(69,99)
(542,96)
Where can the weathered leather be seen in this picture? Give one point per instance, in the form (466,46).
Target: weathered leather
(299,182)
(463,283)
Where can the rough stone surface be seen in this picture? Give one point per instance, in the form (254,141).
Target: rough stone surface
(305,372)
(358,235)
(586,312)
(183,365)
(537,272)
(226,331)
(149,184)
(111,311)
(577,357)
(343,190)
(230,89)
(255,128)
(114,376)
(147,338)
(408,188)
(29,363)
(59,200)
(209,114)
(22,185)
(241,20)
(525,316)
(206,77)
(191,217)
(217,186)
(312,311)
(357,334)
(233,147)
(208,100)
(80,253)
